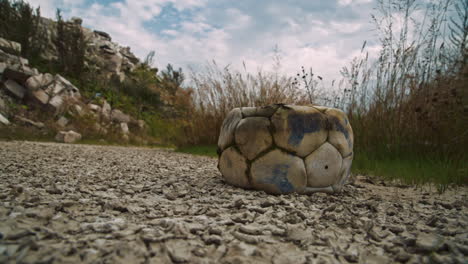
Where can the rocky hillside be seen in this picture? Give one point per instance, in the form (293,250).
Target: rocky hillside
(102,55)
(52,104)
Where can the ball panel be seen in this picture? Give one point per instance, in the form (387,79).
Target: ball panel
(252,136)
(323,166)
(344,173)
(278,173)
(233,167)
(226,136)
(341,133)
(264,111)
(299,129)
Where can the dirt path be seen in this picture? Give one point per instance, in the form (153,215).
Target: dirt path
(78,203)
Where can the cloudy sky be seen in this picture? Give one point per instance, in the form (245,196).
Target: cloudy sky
(322,34)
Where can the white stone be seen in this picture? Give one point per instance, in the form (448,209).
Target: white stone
(67,137)
(40,96)
(56,101)
(124,128)
(141,124)
(62,121)
(14,88)
(94,107)
(10,46)
(78,109)
(18,73)
(323,166)
(119,117)
(4,120)
(36,82)
(2,67)
(106,110)
(27,121)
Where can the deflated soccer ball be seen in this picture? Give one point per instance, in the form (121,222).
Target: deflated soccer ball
(282,149)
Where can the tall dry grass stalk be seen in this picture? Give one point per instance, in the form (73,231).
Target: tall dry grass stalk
(216,91)
(413,97)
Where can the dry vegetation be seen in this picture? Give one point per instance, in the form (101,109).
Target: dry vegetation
(408,103)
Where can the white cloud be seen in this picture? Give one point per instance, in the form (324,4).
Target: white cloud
(310,34)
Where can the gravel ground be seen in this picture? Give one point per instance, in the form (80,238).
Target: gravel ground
(98,204)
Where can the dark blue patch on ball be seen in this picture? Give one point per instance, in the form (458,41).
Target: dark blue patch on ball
(336,124)
(279,178)
(302,124)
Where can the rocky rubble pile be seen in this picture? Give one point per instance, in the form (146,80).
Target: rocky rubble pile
(87,204)
(103,55)
(21,84)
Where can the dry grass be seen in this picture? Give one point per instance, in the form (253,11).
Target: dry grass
(217,91)
(409,102)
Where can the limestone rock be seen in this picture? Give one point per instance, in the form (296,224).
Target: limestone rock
(12,59)
(94,107)
(279,173)
(40,96)
(233,167)
(341,133)
(68,137)
(103,34)
(141,124)
(4,120)
(14,88)
(226,137)
(299,129)
(3,66)
(27,121)
(56,102)
(119,117)
(36,82)
(62,85)
(124,128)
(323,166)
(76,20)
(10,46)
(252,136)
(19,73)
(106,110)
(62,121)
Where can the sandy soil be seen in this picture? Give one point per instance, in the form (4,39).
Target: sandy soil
(96,204)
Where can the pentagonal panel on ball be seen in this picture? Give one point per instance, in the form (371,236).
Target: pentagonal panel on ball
(279,173)
(341,133)
(226,135)
(323,166)
(233,167)
(252,136)
(299,129)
